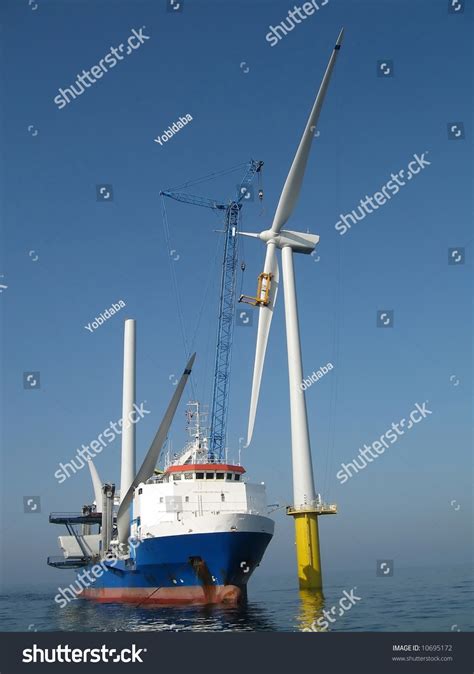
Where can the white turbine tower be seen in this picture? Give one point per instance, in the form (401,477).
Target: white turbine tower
(128,468)
(130,478)
(305,509)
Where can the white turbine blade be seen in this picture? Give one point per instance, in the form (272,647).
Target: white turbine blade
(294,180)
(97,484)
(264,323)
(149,463)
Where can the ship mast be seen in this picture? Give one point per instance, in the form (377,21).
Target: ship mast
(196,415)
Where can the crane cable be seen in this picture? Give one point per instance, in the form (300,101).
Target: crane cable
(209,176)
(175,286)
(336,341)
(260,190)
(205,300)
(242,264)
(333,403)
(188,346)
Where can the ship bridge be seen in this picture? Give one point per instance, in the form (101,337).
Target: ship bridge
(204,471)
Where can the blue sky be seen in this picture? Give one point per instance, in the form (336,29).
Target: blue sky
(87,254)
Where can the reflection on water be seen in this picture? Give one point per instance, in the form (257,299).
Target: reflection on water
(311,608)
(412,600)
(84,615)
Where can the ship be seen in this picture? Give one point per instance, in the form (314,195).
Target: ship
(187,527)
(190,532)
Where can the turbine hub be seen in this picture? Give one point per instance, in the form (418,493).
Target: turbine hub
(299,242)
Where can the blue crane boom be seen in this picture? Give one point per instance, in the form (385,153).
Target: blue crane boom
(194,200)
(227,300)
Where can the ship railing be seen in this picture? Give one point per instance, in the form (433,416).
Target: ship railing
(316,507)
(174,460)
(59,562)
(217,507)
(75,518)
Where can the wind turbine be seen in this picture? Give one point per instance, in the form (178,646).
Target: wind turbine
(305,509)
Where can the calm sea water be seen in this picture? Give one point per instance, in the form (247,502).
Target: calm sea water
(410,600)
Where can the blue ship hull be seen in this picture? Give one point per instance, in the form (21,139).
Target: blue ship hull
(189,568)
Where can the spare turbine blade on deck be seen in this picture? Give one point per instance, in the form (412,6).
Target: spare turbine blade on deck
(97,484)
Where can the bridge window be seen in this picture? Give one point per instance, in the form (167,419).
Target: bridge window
(219,476)
(188,476)
(210,476)
(236,477)
(228,476)
(199,476)
(177,476)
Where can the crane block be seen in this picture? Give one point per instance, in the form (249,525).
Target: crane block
(263,291)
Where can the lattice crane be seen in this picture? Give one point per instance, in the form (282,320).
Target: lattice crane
(227,300)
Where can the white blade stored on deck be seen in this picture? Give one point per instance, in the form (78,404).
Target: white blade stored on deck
(264,323)
(148,465)
(292,187)
(97,484)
